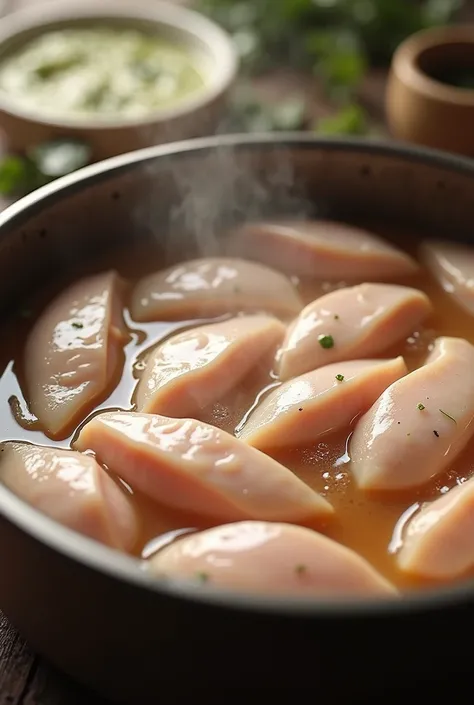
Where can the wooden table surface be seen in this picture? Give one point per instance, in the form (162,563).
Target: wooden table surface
(25,678)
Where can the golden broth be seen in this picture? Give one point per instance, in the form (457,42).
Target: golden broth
(371,524)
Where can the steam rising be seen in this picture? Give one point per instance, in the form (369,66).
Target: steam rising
(214,190)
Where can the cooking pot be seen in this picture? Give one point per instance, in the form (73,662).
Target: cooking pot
(90,610)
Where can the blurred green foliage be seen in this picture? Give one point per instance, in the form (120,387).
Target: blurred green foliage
(20,174)
(336,39)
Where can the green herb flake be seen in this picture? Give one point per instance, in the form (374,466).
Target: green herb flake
(77,324)
(336,317)
(451,418)
(420,406)
(300,569)
(340,378)
(202,577)
(326,341)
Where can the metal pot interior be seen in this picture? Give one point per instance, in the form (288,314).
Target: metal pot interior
(182,198)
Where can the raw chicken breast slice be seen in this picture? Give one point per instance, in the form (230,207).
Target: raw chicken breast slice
(73,352)
(191,370)
(72,489)
(437,541)
(211,287)
(273,559)
(195,467)
(318,402)
(452,265)
(323,249)
(419,424)
(352,323)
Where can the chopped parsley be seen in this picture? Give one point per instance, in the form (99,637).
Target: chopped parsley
(326,341)
(421,406)
(340,378)
(447,416)
(202,577)
(77,324)
(300,569)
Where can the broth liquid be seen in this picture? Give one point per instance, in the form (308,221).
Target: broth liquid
(371,524)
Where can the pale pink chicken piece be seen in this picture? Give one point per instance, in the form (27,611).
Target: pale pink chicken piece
(73,352)
(270,559)
(361,321)
(213,286)
(193,369)
(420,423)
(325,250)
(452,265)
(318,402)
(72,489)
(196,467)
(438,541)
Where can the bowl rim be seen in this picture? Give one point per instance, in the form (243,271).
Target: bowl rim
(120,567)
(224,58)
(405,63)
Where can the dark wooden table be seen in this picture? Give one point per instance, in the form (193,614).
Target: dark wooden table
(25,679)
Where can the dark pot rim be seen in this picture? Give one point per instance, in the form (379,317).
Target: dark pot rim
(97,557)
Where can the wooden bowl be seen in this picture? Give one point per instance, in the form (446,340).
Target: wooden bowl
(195,116)
(423,109)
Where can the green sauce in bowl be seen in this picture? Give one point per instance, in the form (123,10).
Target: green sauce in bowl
(100,73)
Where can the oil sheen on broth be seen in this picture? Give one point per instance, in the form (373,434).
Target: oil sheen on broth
(369,523)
